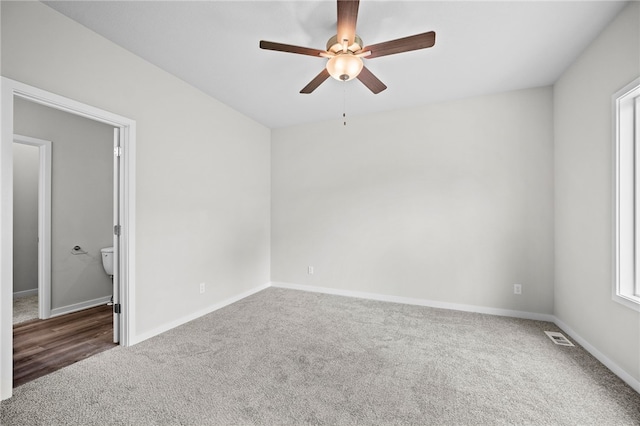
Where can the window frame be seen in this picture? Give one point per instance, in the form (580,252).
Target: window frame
(626,126)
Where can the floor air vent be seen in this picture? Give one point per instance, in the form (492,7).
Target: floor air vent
(558,338)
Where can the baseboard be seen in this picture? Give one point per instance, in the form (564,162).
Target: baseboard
(615,368)
(79,306)
(168,326)
(419,302)
(25,293)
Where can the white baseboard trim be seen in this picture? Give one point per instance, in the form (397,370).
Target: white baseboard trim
(25,293)
(419,302)
(79,306)
(615,368)
(173,324)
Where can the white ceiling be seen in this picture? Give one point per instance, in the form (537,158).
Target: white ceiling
(481,47)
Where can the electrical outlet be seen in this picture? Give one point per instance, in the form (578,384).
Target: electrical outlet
(310,270)
(517,289)
(201,287)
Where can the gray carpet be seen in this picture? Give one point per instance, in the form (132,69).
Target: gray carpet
(290,357)
(25,309)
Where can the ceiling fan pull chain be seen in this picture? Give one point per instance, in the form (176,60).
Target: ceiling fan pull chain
(344,105)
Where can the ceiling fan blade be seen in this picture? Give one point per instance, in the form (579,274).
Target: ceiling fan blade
(280,47)
(317,81)
(406,44)
(371,81)
(347,17)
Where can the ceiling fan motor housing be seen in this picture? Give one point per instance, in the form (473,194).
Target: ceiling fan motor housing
(335,46)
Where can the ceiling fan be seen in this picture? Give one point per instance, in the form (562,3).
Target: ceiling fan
(345,51)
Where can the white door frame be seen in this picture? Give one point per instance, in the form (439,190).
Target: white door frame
(117,214)
(44,221)
(9,90)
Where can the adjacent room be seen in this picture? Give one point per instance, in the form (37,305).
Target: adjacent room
(384,212)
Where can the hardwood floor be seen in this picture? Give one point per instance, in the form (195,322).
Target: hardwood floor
(41,347)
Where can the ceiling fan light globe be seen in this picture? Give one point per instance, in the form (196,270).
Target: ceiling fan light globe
(344,67)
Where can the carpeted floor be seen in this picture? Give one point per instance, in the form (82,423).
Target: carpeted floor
(290,357)
(25,309)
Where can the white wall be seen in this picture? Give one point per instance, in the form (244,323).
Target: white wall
(450,202)
(202,183)
(584,192)
(81,199)
(26,165)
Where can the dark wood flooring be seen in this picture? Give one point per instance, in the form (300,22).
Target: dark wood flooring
(41,347)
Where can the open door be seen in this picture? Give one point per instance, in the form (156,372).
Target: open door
(117,230)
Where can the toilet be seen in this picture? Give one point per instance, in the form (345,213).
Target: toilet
(107,260)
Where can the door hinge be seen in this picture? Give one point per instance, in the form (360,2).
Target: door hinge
(117,151)
(117,229)
(117,308)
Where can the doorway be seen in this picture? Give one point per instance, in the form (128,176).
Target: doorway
(124,230)
(78,322)
(82,206)
(40,267)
